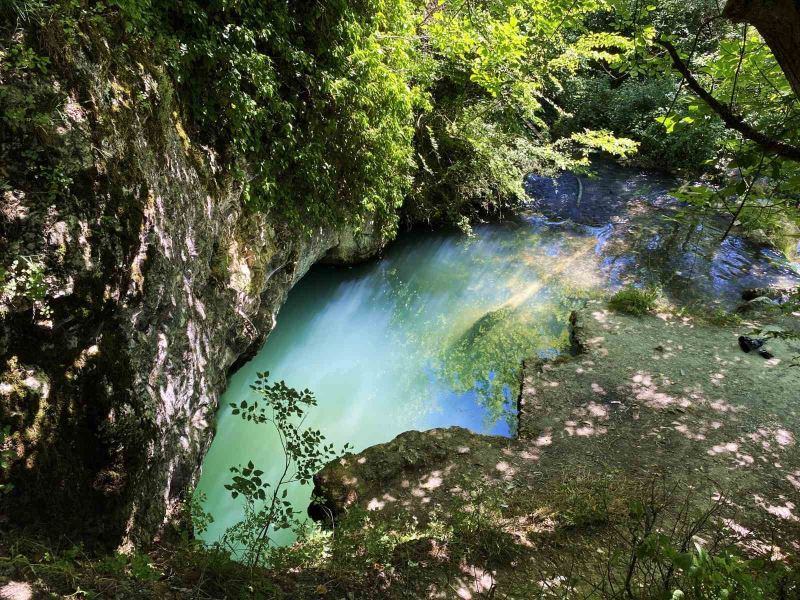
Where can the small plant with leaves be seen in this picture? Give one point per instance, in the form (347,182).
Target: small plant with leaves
(195,517)
(634,301)
(25,282)
(266,508)
(136,565)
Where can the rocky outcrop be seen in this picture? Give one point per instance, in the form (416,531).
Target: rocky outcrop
(126,300)
(418,462)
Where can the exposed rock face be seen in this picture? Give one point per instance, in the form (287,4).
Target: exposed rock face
(157,281)
(417,462)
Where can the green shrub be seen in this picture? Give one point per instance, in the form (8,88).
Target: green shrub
(7,456)
(633,300)
(25,282)
(767,223)
(630,109)
(281,409)
(584,508)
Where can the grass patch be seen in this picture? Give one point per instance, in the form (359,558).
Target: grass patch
(613,539)
(634,301)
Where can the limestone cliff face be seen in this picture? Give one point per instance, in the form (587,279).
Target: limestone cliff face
(126,301)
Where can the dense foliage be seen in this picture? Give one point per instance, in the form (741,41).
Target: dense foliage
(643,94)
(339,111)
(497,69)
(344,111)
(313,97)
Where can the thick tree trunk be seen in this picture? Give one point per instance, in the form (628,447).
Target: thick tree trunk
(778,22)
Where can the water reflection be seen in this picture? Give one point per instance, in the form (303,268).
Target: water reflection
(433,334)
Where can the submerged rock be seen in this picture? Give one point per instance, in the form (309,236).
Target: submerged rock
(776,294)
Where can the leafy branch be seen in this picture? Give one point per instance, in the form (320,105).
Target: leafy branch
(305,452)
(729,118)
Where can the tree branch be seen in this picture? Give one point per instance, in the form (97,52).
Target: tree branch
(731,120)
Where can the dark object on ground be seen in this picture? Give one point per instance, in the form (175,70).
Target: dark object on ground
(780,295)
(748,344)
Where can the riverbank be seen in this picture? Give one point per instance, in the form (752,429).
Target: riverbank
(657,434)
(661,406)
(432,335)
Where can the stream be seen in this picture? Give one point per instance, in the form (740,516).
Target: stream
(433,333)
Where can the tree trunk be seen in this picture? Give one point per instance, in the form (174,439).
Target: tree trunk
(778,22)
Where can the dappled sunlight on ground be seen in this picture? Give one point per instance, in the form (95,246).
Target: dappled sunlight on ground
(476,582)
(545,439)
(376,504)
(785,511)
(645,390)
(697,435)
(16,590)
(732,448)
(648,398)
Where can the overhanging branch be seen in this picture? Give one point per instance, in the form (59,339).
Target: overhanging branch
(729,118)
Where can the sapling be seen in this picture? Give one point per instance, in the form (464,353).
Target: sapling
(305,452)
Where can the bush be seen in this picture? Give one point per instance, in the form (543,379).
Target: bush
(633,300)
(631,109)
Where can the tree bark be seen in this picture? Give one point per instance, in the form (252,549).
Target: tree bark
(778,22)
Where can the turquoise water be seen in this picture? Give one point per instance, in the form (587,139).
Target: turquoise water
(430,336)
(433,334)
